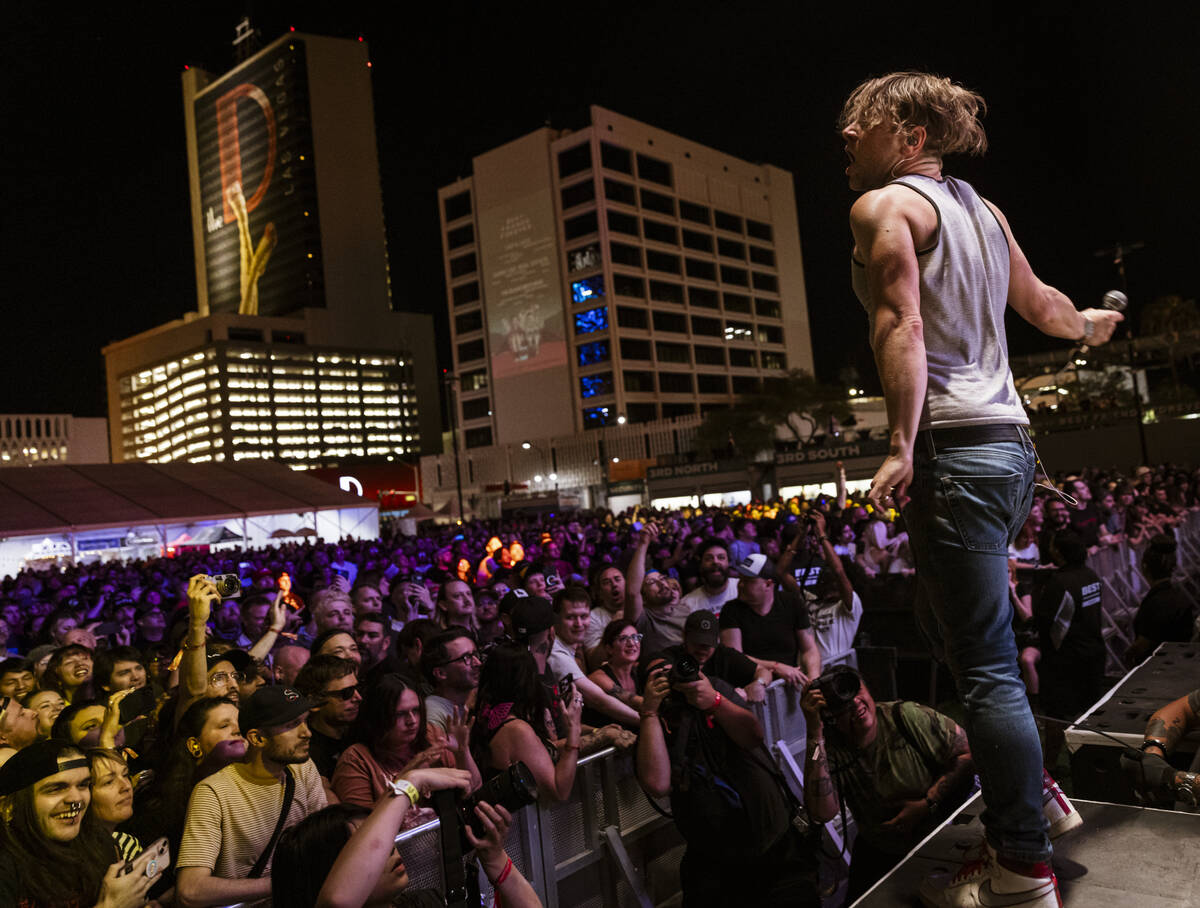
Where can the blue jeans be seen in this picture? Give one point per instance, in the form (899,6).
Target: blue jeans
(967,504)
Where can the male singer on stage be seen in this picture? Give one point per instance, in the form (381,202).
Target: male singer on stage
(935,266)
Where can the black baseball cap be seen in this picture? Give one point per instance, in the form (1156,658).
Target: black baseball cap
(530,615)
(702,627)
(31,764)
(272,706)
(238,658)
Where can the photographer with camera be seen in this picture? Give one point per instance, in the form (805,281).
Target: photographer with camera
(900,767)
(702,747)
(702,651)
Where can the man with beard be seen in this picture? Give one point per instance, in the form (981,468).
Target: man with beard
(332,682)
(716,585)
(229,836)
(1058,518)
(608,598)
(652,605)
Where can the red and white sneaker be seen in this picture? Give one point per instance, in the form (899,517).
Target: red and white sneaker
(1059,811)
(985,882)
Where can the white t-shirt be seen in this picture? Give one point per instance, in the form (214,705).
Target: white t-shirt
(699,598)
(599,619)
(833,627)
(562,661)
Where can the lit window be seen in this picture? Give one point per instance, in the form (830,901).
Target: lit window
(588,289)
(596,385)
(591,320)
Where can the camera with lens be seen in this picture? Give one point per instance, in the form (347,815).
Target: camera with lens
(684,671)
(839,686)
(511,789)
(229,586)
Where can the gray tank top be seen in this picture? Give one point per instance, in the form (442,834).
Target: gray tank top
(964,292)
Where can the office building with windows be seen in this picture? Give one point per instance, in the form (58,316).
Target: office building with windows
(295,351)
(616,274)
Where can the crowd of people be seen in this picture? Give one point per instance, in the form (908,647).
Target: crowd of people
(162,742)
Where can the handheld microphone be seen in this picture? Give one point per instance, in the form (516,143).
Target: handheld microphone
(1114,300)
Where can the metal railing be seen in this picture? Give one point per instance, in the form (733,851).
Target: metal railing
(1123,585)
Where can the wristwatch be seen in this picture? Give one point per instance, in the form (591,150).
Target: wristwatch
(1089,328)
(402,786)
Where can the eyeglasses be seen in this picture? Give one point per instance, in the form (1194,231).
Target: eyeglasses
(472,656)
(345,693)
(222,677)
(628,639)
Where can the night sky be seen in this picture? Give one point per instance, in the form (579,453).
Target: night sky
(1092,124)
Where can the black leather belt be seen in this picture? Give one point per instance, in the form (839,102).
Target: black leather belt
(967,436)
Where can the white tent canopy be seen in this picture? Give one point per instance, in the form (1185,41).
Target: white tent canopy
(136,510)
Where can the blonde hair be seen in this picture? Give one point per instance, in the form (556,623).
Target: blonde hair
(948,112)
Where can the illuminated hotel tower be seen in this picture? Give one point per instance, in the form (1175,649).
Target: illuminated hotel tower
(295,352)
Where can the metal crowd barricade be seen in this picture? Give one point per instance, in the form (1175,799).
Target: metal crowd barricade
(604,845)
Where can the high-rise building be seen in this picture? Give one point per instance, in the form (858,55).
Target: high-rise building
(616,273)
(295,352)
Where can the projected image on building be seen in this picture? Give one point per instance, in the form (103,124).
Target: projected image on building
(254,149)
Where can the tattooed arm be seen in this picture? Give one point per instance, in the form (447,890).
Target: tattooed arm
(820,794)
(1169,724)
(955,778)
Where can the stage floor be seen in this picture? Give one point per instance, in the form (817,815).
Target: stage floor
(1123,857)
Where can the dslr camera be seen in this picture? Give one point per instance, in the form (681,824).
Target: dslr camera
(685,670)
(512,789)
(839,686)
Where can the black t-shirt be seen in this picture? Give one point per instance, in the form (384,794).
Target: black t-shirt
(771,636)
(1164,615)
(1086,522)
(325,751)
(1067,616)
(725,663)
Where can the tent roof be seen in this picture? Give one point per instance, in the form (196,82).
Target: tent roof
(56,499)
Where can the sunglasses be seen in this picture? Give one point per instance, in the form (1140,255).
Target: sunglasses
(345,693)
(472,656)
